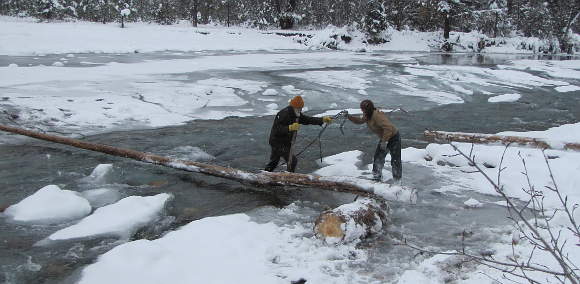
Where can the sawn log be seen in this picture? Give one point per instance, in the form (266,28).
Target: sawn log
(478,138)
(352,221)
(341,184)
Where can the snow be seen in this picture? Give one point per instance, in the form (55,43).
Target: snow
(100,197)
(569,88)
(556,135)
(121,218)
(30,38)
(345,167)
(472,203)
(146,94)
(333,112)
(125,12)
(564,166)
(553,68)
(49,204)
(340,79)
(160,93)
(100,174)
(291,90)
(481,76)
(504,98)
(226,249)
(354,231)
(270,92)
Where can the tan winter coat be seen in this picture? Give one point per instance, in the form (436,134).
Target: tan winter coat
(379,124)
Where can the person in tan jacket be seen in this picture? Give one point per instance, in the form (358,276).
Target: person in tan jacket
(389,139)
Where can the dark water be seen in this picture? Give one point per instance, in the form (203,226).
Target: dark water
(437,219)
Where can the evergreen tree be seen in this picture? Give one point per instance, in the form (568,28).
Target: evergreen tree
(375,22)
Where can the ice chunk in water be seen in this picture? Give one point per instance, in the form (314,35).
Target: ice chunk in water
(49,204)
(473,203)
(121,219)
(101,196)
(100,174)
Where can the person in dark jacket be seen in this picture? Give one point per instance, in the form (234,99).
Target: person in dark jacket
(389,140)
(286,123)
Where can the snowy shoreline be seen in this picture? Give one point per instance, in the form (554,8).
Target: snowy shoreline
(28,37)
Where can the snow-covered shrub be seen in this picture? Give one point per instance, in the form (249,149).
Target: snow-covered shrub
(331,38)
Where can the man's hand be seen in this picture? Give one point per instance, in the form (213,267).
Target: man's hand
(294,126)
(327,119)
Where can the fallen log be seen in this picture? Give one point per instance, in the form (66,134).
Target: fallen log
(478,138)
(352,221)
(340,184)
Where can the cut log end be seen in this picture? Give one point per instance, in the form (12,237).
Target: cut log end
(329,225)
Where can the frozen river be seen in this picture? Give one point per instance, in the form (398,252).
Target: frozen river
(220,106)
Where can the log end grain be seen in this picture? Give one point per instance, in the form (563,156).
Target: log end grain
(329,225)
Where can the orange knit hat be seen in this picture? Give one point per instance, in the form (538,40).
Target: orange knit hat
(297,102)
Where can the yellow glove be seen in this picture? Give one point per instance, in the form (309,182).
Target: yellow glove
(294,126)
(327,119)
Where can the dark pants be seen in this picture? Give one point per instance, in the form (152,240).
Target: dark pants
(393,146)
(277,153)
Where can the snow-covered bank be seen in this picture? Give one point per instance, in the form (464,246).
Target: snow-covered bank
(227,249)
(24,36)
(521,169)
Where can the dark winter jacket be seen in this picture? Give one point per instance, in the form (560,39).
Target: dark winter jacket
(280,136)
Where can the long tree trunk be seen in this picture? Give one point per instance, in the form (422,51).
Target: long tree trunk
(342,184)
(194,13)
(478,138)
(446,26)
(352,221)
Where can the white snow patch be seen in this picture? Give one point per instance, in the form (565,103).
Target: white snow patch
(341,79)
(333,112)
(554,68)
(504,98)
(100,173)
(49,204)
(569,88)
(57,64)
(12,65)
(412,154)
(121,218)
(556,135)
(272,106)
(270,92)
(438,97)
(344,167)
(290,89)
(100,197)
(473,203)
